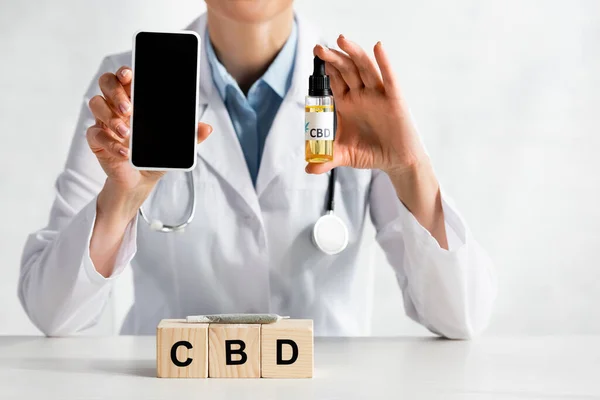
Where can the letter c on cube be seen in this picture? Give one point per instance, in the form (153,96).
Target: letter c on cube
(181,349)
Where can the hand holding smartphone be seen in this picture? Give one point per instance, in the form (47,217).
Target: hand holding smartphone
(166,68)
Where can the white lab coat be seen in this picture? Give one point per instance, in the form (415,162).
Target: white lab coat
(249,249)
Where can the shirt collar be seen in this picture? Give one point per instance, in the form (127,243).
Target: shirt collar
(278,75)
(280,72)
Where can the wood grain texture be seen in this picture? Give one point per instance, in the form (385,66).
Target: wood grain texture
(218,334)
(171,331)
(300,331)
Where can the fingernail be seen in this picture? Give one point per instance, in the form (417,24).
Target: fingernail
(124,152)
(125,73)
(122,130)
(320,47)
(342,36)
(124,108)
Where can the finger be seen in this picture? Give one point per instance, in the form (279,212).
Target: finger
(318,168)
(387,72)
(107,116)
(321,168)
(124,141)
(101,141)
(349,70)
(100,123)
(204,130)
(125,76)
(115,94)
(366,66)
(339,159)
(343,63)
(338,85)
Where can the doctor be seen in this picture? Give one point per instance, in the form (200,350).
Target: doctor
(249,247)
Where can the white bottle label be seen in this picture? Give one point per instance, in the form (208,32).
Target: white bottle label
(319,126)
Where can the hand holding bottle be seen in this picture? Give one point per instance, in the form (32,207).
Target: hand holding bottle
(374,130)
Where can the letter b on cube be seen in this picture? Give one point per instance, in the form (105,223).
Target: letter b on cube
(234,351)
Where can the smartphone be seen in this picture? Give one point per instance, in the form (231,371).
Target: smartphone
(164,95)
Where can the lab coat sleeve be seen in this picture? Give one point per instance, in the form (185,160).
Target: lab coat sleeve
(450,292)
(59,286)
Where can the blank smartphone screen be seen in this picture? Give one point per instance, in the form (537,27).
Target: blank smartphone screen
(165,82)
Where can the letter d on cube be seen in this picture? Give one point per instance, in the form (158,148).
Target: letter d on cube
(287,349)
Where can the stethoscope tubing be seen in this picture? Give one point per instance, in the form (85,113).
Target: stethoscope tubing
(165,228)
(158,226)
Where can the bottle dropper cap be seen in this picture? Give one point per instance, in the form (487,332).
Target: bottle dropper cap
(318,82)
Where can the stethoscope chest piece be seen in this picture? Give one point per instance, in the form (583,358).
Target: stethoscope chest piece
(330,234)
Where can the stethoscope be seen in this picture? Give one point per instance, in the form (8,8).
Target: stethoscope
(158,226)
(329,234)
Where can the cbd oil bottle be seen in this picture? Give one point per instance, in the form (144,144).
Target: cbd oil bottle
(319,129)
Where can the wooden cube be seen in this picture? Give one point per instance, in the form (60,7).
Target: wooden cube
(234,351)
(181,349)
(287,349)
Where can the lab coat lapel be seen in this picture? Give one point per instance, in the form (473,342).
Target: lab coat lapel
(285,141)
(223,153)
(221,150)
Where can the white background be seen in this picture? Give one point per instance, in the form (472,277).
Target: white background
(506,95)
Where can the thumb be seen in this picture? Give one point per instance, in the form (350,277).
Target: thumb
(204,130)
(319,168)
(340,159)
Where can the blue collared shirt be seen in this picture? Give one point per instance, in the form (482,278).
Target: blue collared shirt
(253,115)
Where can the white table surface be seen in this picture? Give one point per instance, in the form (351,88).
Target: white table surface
(362,368)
